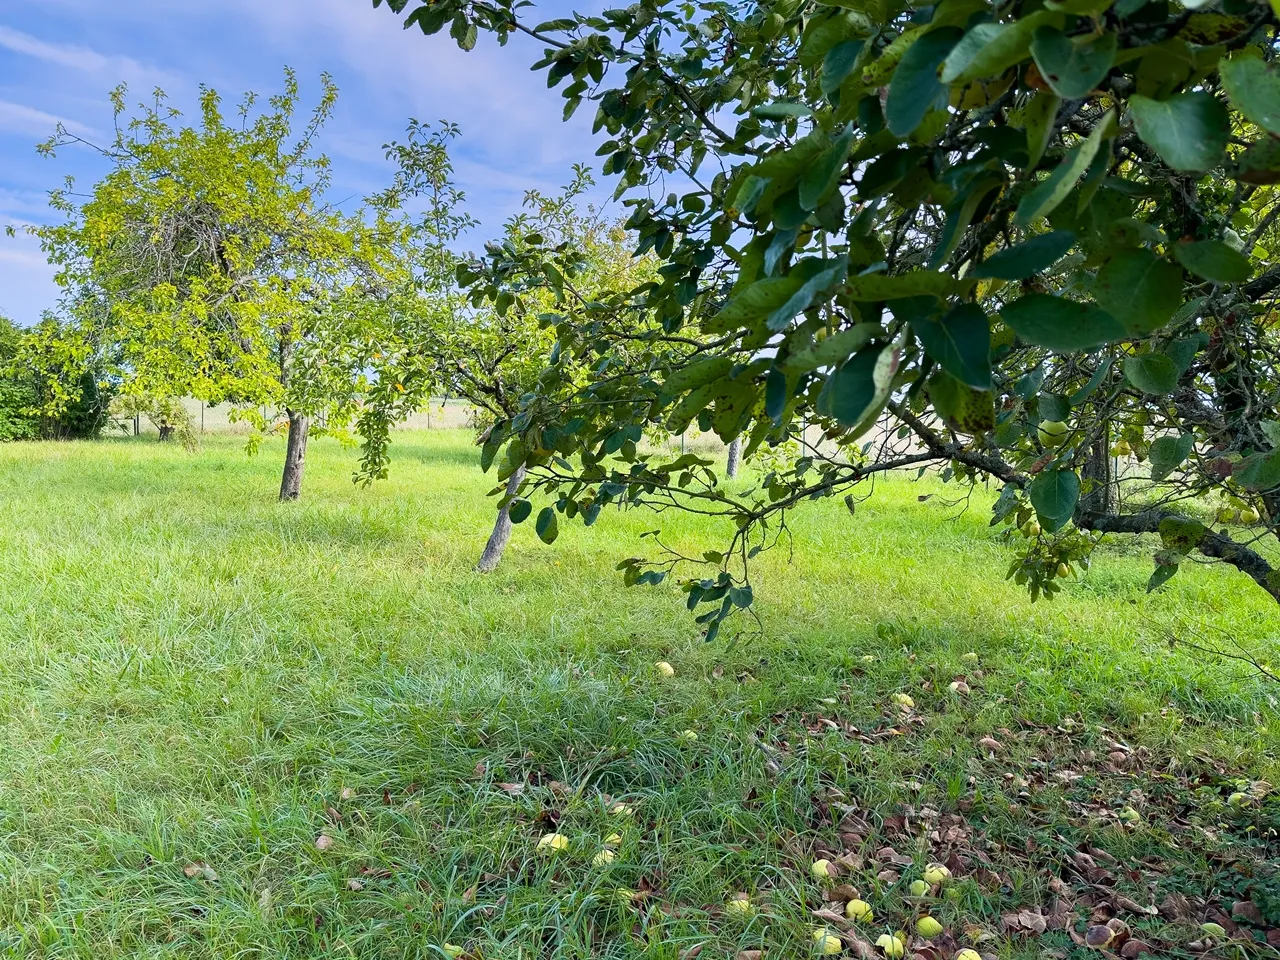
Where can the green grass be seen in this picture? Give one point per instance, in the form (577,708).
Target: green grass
(192,673)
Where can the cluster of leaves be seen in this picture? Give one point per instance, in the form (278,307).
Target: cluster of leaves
(79,397)
(1006,239)
(490,343)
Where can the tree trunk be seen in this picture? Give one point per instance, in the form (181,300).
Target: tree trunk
(294,456)
(493,550)
(1102,498)
(731,466)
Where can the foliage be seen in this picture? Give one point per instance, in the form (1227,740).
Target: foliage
(489,350)
(18,395)
(28,408)
(207,261)
(957,222)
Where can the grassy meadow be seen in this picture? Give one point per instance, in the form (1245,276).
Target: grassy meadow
(235,728)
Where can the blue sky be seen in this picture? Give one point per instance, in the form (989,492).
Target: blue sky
(59,59)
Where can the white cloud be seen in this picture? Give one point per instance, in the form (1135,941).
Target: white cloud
(116,69)
(81,58)
(28,121)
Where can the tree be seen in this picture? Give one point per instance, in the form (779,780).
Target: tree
(19,397)
(43,397)
(995,231)
(491,354)
(207,263)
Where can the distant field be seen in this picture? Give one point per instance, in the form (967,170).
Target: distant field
(235,728)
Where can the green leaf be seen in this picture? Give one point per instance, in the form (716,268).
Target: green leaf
(960,342)
(1072,66)
(548,527)
(804,295)
(823,175)
(1213,260)
(1060,324)
(1037,120)
(782,110)
(1050,192)
(1027,258)
(1161,575)
(775,395)
(834,349)
(960,214)
(1168,453)
(963,408)
(696,374)
(1054,494)
(839,63)
(1152,373)
(856,393)
(1260,472)
(1189,130)
(520,510)
(989,49)
(915,88)
(757,301)
(878,286)
(1254,88)
(1144,291)
(849,391)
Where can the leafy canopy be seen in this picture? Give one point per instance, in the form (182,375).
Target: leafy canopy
(863,208)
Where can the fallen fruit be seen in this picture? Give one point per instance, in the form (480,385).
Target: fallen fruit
(740,907)
(826,942)
(1099,936)
(664,668)
(622,810)
(936,873)
(967,954)
(1239,799)
(688,736)
(1214,929)
(919,888)
(958,686)
(859,910)
(970,657)
(603,858)
(614,838)
(892,947)
(1053,433)
(1130,815)
(822,870)
(552,843)
(452,950)
(928,927)
(902,700)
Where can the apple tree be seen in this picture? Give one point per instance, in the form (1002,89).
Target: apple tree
(207,262)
